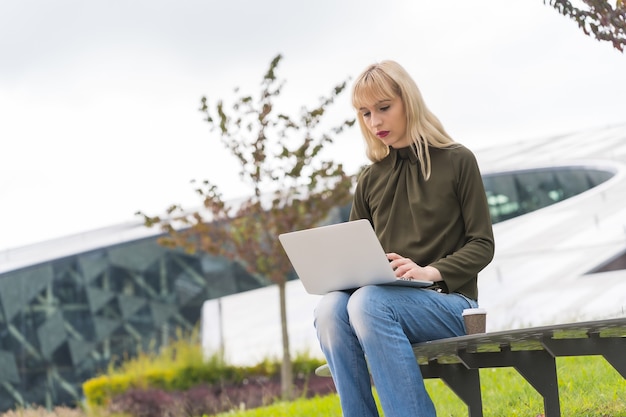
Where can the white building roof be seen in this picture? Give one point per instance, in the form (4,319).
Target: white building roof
(25,256)
(540,272)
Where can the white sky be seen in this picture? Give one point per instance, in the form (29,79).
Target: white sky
(99,100)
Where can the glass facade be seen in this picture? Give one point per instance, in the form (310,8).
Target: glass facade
(512,194)
(64,321)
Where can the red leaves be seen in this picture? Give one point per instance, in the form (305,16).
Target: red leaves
(600,19)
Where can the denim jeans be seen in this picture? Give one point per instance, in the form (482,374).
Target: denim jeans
(380,323)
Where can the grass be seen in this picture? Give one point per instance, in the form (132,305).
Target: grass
(326,406)
(588,386)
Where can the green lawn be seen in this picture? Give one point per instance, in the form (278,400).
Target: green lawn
(589,387)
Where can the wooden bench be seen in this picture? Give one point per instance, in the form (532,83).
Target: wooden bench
(532,352)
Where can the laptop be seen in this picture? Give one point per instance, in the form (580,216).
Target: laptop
(340,256)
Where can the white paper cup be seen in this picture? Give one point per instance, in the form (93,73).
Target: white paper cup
(475,320)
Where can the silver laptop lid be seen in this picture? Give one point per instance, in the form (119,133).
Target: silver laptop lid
(339,256)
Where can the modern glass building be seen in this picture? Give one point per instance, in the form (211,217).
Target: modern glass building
(64,320)
(70,307)
(512,194)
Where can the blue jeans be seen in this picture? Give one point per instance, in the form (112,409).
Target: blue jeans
(381,322)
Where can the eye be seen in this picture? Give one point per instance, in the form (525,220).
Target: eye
(384,108)
(365,114)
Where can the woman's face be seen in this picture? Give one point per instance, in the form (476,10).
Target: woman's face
(387,121)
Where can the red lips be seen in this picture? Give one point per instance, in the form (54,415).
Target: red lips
(382,133)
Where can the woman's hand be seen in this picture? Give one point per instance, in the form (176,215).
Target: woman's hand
(407,269)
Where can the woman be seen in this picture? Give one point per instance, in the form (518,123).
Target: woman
(424,196)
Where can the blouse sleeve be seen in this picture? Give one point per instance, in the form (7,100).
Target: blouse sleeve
(478,247)
(360,208)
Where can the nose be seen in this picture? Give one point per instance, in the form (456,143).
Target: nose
(374,120)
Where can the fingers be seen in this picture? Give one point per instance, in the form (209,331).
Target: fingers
(393,256)
(405,267)
(405,271)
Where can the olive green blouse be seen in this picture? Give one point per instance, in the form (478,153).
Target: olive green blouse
(443,222)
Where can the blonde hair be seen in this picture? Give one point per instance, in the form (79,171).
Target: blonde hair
(387,80)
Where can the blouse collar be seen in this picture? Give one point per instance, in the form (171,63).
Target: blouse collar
(405,153)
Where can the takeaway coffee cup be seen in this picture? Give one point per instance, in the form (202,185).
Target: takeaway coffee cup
(475,320)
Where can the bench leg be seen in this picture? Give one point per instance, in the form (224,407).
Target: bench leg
(538,367)
(464,382)
(540,372)
(618,360)
(612,348)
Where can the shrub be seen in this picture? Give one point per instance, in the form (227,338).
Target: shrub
(146,403)
(179,368)
(207,399)
(98,390)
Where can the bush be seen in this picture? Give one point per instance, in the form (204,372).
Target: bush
(179,376)
(212,399)
(99,390)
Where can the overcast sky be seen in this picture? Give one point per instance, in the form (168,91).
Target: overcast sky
(99,99)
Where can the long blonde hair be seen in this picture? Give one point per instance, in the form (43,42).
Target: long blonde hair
(387,80)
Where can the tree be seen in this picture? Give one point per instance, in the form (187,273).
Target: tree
(599,18)
(294,186)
